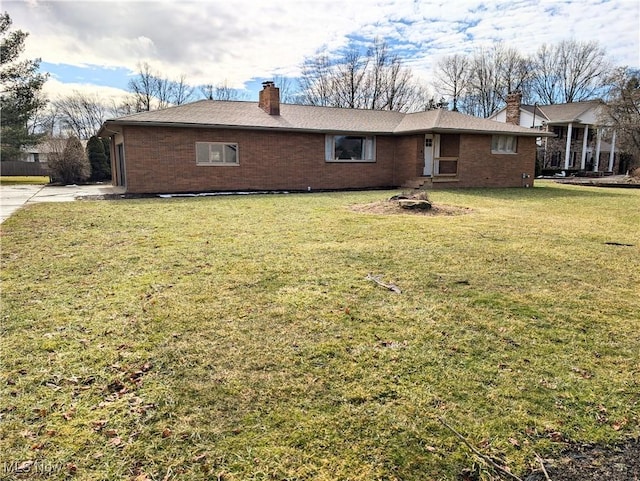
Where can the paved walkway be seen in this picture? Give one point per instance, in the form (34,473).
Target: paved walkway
(12,197)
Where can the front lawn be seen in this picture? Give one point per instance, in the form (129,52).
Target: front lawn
(238,338)
(24,179)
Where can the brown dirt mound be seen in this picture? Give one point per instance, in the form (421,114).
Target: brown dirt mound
(392,207)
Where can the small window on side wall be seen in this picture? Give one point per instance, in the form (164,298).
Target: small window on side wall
(349,148)
(216,153)
(504,144)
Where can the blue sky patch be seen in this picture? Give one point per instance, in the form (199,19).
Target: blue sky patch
(93,74)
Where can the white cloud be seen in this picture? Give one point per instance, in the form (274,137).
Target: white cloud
(221,41)
(55,89)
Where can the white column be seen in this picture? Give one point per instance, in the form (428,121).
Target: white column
(613,151)
(596,161)
(567,150)
(583,158)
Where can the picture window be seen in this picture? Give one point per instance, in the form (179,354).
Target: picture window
(349,148)
(216,153)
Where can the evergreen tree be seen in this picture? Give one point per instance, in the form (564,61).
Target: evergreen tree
(20,85)
(107,152)
(95,152)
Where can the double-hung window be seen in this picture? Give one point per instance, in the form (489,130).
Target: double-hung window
(504,144)
(349,148)
(216,153)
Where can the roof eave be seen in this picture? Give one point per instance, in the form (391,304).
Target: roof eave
(563,121)
(109,125)
(192,125)
(532,133)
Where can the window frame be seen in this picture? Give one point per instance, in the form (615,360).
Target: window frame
(508,147)
(368,146)
(223,162)
(559,131)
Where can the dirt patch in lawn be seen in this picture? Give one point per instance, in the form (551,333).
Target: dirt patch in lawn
(593,463)
(392,206)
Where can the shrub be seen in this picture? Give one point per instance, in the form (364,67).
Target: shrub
(71,165)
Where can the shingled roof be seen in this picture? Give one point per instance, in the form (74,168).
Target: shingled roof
(247,115)
(570,112)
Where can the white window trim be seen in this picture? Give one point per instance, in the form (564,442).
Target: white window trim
(369,149)
(223,163)
(513,140)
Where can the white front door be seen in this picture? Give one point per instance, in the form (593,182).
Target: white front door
(428,155)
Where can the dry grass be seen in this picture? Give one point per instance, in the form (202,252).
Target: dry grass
(16,180)
(238,338)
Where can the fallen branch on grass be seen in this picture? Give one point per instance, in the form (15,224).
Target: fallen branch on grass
(484,457)
(391,287)
(544,470)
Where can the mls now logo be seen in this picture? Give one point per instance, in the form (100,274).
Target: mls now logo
(35,467)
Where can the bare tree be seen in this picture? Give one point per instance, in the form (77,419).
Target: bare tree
(377,80)
(182,91)
(316,82)
(379,55)
(350,79)
(400,89)
(569,71)
(143,88)
(208,91)
(288,91)
(479,84)
(221,91)
(484,82)
(514,74)
(80,115)
(151,91)
(452,77)
(623,111)
(163,90)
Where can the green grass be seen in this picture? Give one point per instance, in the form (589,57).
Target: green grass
(237,338)
(17,180)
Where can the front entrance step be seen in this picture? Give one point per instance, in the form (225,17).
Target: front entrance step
(417,183)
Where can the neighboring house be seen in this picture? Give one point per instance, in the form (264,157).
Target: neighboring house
(229,146)
(35,153)
(33,161)
(578,144)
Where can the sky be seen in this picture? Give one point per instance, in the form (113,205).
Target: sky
(95,47)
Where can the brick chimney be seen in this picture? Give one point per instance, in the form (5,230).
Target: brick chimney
(269,99)
(513,107)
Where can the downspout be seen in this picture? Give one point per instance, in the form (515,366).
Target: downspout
(394,175)
(535,107)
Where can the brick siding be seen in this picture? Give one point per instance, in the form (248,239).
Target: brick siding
(163,159)
(478,167)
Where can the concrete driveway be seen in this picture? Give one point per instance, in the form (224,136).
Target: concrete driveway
(12,197)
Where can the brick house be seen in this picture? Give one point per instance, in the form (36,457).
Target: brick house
(580,142)
(230,146)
